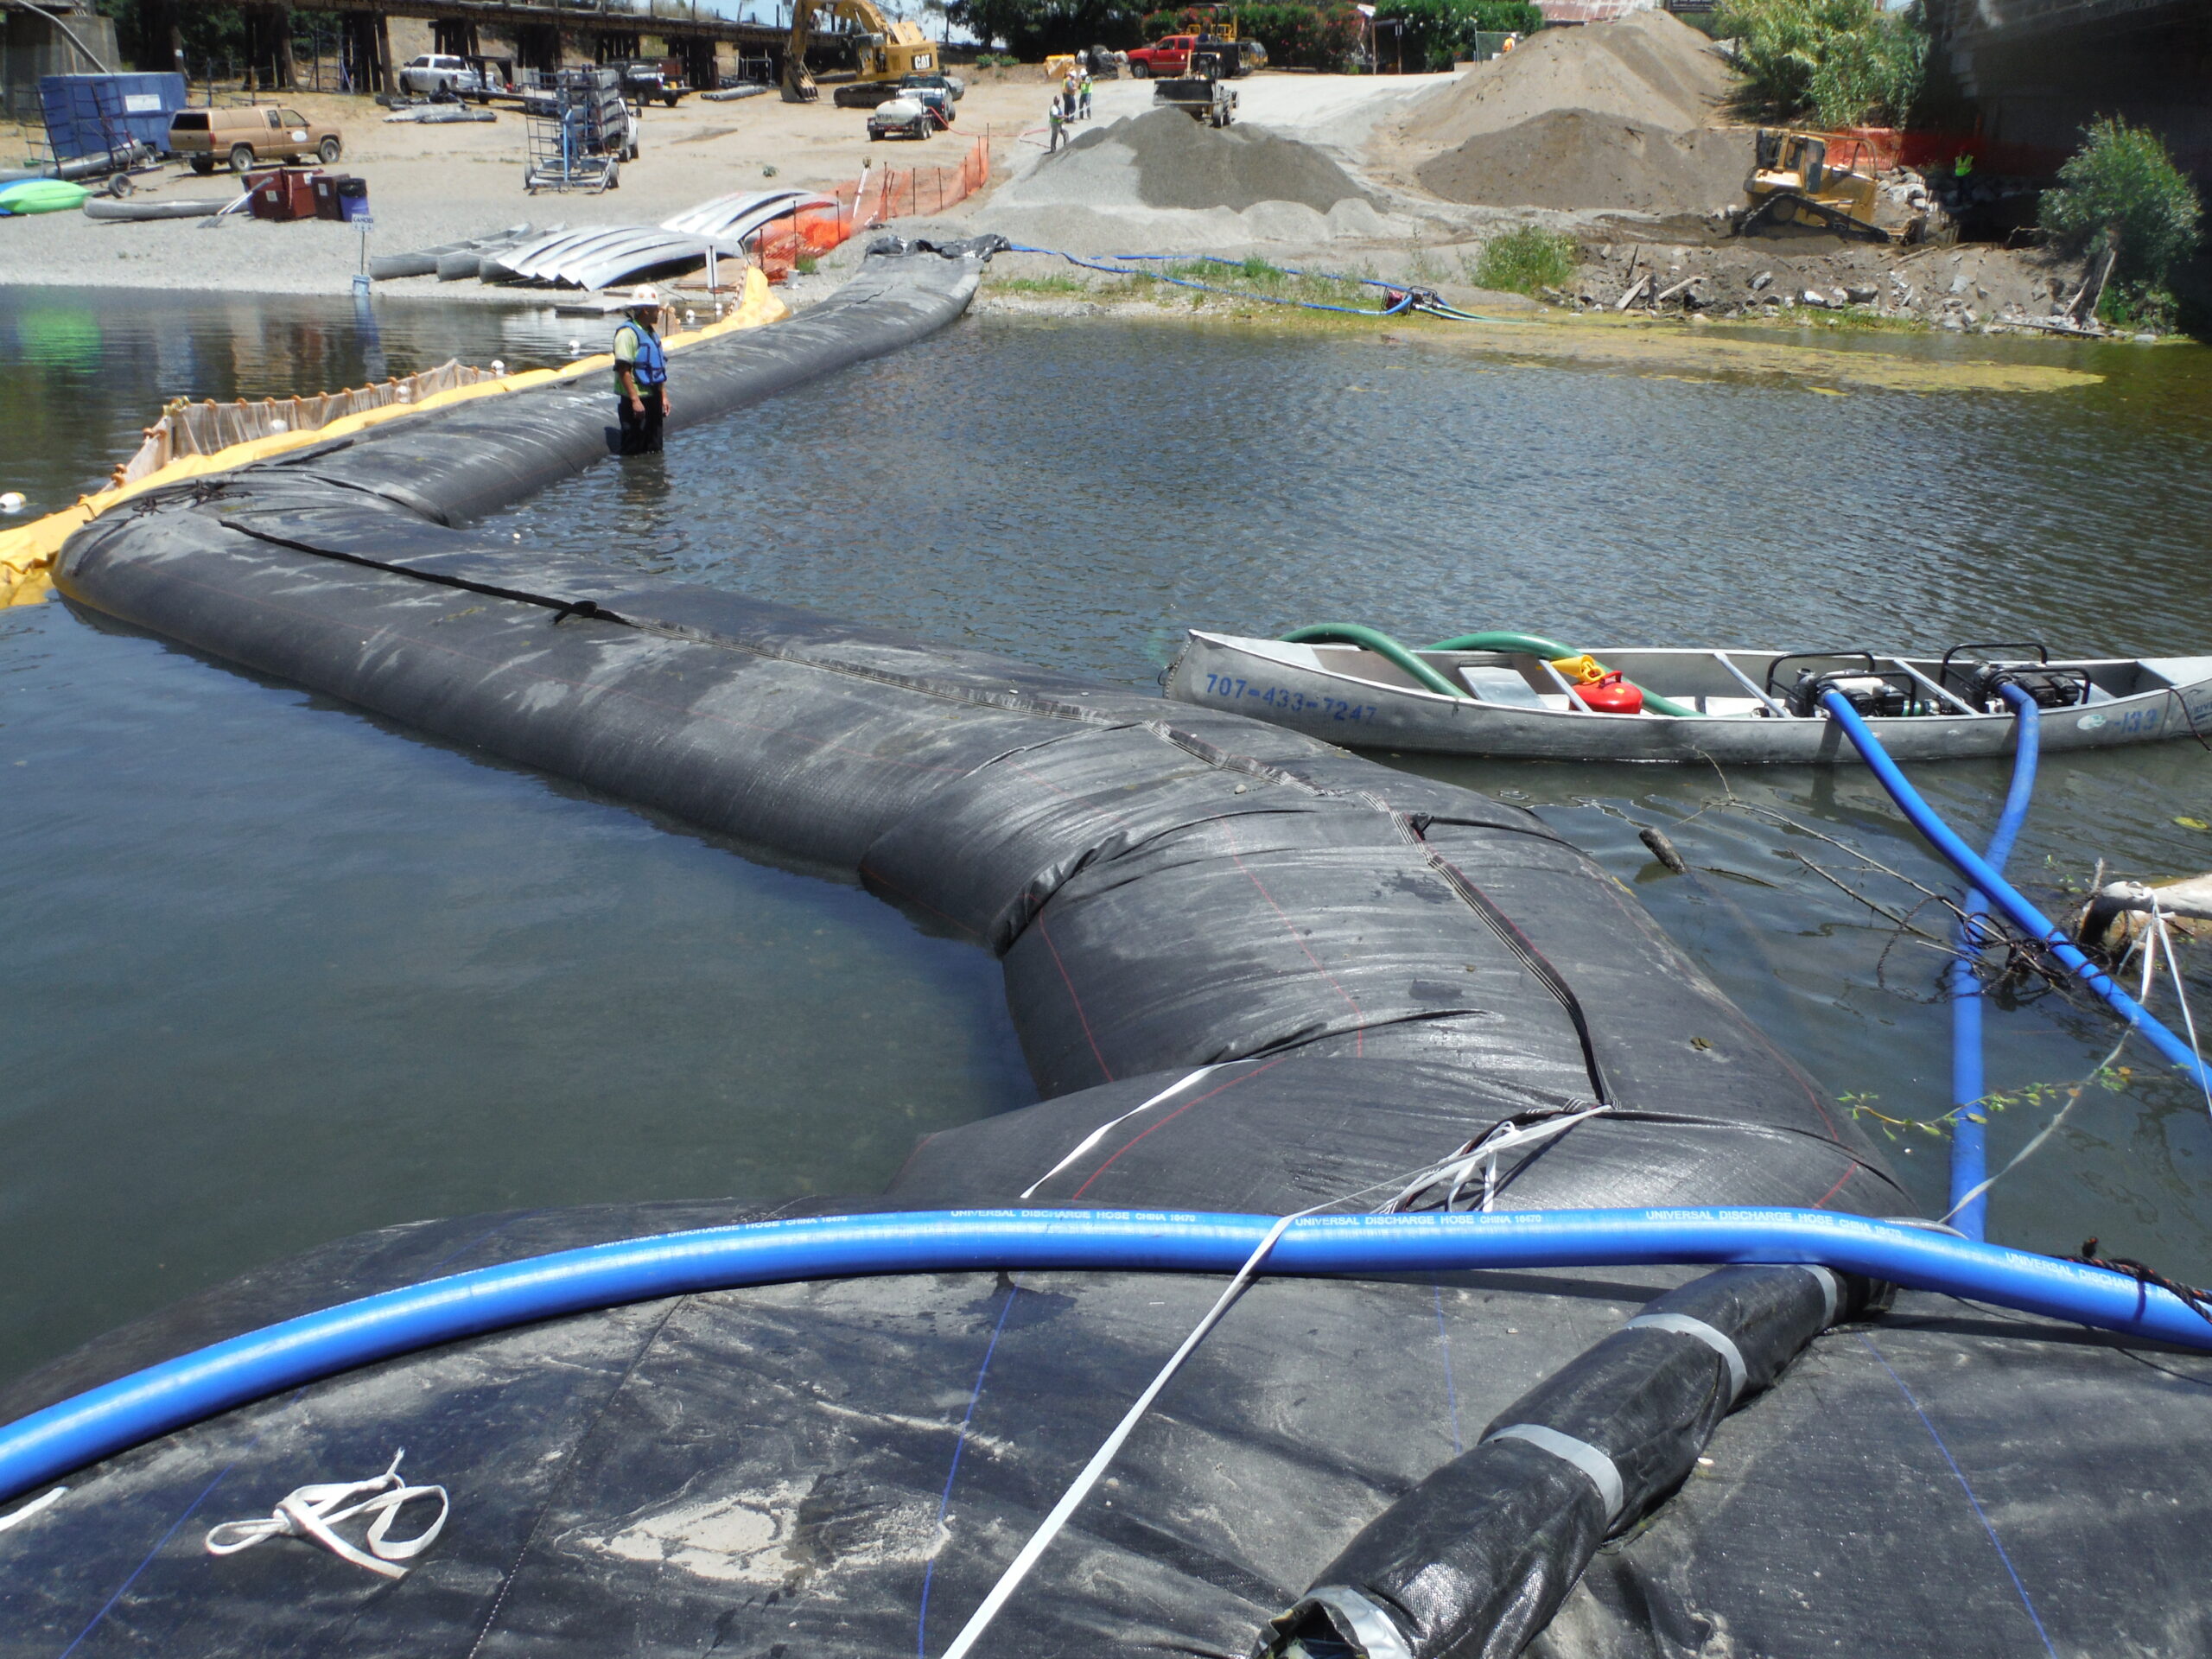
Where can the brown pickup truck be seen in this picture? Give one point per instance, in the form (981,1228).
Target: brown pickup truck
(245,138)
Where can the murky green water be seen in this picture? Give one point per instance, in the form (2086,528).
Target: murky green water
(276,971)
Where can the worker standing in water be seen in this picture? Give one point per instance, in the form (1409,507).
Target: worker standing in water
(640,374)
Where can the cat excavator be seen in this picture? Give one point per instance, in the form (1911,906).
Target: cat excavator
(886,49)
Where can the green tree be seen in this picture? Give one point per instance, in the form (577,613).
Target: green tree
(1436,32)
(1503,16)
(1302,37)
(2122,191)
(1033,29)
(1428,33)
(1843,63)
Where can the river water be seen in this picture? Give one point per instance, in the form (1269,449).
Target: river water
(276,971)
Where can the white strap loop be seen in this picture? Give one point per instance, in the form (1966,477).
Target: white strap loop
(315,1512)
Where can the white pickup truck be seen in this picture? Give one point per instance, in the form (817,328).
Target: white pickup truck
(434,72)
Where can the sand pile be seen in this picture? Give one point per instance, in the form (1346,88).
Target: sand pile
(1611,116)
(1651,67)
(1571,159)
(1164,159)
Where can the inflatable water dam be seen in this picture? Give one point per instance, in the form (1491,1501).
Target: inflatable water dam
(1587,1341)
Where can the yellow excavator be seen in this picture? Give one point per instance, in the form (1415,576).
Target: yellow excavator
(1793,182)
(886,50)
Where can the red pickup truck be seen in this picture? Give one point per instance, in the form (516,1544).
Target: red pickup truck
(1169,58)
(1165,57)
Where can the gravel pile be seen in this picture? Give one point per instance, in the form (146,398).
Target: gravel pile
(1576,158)
(1163,159)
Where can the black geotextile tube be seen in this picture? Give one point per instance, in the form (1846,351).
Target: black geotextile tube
(1475,1559)
(1373,968)
(1169,887)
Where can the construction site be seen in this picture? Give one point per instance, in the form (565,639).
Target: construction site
(1624,139)
(824,845)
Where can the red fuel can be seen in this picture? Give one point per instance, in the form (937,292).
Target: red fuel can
(1612,696)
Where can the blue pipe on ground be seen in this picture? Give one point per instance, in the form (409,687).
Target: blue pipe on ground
(1969,1135)
(2002,894)
(150,1403)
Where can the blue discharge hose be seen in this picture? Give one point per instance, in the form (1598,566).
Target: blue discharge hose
(150,1403)
(1969,1136)
(2002,894)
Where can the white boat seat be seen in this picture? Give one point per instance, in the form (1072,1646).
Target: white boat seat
(1501,685)
(1736,706)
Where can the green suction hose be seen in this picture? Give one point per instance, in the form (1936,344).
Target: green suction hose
(1551,650)
(1373,640)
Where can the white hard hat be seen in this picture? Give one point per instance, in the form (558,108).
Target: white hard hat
(642,297)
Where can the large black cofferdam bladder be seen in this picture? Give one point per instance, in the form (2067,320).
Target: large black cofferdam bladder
(1249,971)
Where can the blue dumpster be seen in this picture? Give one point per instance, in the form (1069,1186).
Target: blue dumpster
(87,114)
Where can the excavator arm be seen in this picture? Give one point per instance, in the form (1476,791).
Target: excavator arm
(883,45)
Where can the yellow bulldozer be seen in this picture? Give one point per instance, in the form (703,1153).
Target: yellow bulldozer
(886,51)
(1797,178)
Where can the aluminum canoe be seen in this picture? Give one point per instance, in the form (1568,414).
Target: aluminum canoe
(1519,707)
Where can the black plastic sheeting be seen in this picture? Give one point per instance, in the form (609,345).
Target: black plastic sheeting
(1366,970)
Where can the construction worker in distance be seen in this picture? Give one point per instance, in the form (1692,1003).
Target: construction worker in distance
(1056,118)
(1083,94)
(640,374)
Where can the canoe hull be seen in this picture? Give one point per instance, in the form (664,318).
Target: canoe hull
(1268,680)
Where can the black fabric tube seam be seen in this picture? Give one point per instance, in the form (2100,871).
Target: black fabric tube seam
(1519,943)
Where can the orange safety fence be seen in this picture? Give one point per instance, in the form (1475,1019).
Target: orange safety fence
(880,195)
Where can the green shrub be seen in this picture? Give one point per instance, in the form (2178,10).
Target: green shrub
(2121,191)
(1302,36)
(1842,63)
(1521,261)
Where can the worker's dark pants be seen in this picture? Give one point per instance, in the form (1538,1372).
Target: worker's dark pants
(640,431)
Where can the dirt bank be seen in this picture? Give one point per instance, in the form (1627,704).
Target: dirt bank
(1974,287)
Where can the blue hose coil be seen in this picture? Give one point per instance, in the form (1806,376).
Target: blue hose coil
(2002,894)
(1969,1131)
(151,1402)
